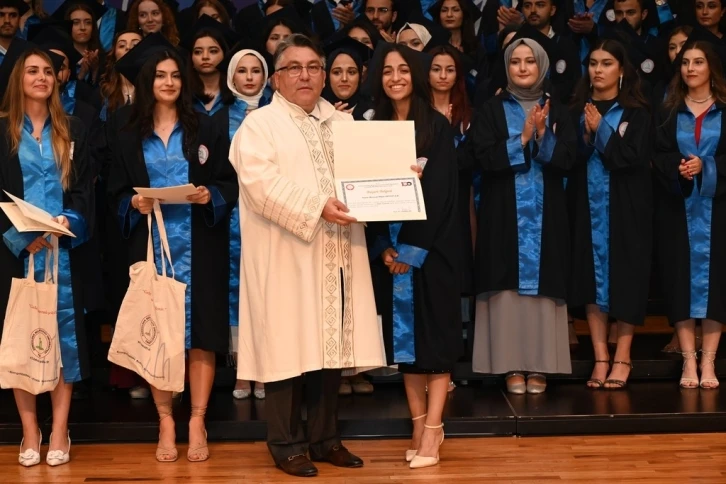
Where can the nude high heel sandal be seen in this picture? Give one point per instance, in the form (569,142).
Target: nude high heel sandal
(708,358)
(420,462)
(31,457)
(201,451)
(162,454)
(688,382)
(411,453)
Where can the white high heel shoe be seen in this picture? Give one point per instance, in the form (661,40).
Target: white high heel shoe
(30,457)
(419,461)
(58,457)
(411,453)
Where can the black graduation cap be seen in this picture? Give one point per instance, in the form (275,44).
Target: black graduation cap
(56,60)
(14,51)
(439,35)
(19,4)
(702,34)
(638,53)
(97,9)
(469,7)
(131,64)
(526,31)
(291,16)
(249,20)
(347,44)
(205,23)
(55,35)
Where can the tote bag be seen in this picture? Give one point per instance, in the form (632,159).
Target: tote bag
(30,357)
(150,329)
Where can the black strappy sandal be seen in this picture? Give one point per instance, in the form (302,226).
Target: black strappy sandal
(620,384)
(597,382)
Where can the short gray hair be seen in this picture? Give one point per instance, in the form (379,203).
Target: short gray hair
(298,40)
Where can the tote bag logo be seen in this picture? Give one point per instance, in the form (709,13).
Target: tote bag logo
(40,343)
(149,331)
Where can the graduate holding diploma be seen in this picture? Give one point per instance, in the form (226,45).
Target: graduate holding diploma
(418,295)
(44,161)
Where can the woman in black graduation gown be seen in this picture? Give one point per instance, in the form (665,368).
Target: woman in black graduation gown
(523,142)
(420,299)
(690,162)
(44,161)
(168,144)
(610,203)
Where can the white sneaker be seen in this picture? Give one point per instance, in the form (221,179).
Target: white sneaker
(58,457)
(141,393)
(30,457)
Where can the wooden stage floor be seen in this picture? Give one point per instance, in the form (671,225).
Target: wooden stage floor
(657,459)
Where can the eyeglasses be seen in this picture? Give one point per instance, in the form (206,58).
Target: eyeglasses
(296,70)
(380,10)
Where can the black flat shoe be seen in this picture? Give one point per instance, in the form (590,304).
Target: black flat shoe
(339,456)
(298,466)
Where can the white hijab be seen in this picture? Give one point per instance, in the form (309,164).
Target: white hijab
(252,101)
(421,32)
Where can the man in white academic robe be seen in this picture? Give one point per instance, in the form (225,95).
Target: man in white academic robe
(306,298)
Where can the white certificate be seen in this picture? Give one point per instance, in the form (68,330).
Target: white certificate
(373,175)
(168,195)
(26,217)
(382,199)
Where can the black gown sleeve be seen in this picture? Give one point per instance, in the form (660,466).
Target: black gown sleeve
(80,195)
(667,156)
(439,182)
(630,150)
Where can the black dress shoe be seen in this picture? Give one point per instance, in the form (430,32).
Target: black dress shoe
(298,466)
(339,456)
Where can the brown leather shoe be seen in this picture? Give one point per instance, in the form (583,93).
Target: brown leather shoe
(339,456)
(298,466)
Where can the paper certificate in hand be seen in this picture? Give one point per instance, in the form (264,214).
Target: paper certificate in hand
(26,217)
(373,175)
(168,195)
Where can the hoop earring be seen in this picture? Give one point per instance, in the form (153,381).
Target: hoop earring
(621,83)
(591,86)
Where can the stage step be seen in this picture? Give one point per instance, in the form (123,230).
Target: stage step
(478,409)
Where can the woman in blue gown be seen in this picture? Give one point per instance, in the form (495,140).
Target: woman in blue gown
(247,75)
(44,160)
(168,144)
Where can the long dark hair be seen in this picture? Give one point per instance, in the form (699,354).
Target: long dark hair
(677,89)
(195,81)
(629,96)
(461,110)
(143,108)
(468,32)
(421,112)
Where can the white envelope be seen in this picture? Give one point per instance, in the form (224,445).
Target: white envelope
(168,195)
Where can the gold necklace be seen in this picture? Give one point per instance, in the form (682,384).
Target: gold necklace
(699,101)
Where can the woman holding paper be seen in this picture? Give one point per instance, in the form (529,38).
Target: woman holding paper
(169,144)
(247,76)
(523,142)
(418,294)
(44,161)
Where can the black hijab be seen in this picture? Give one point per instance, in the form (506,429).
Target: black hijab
(328,93)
